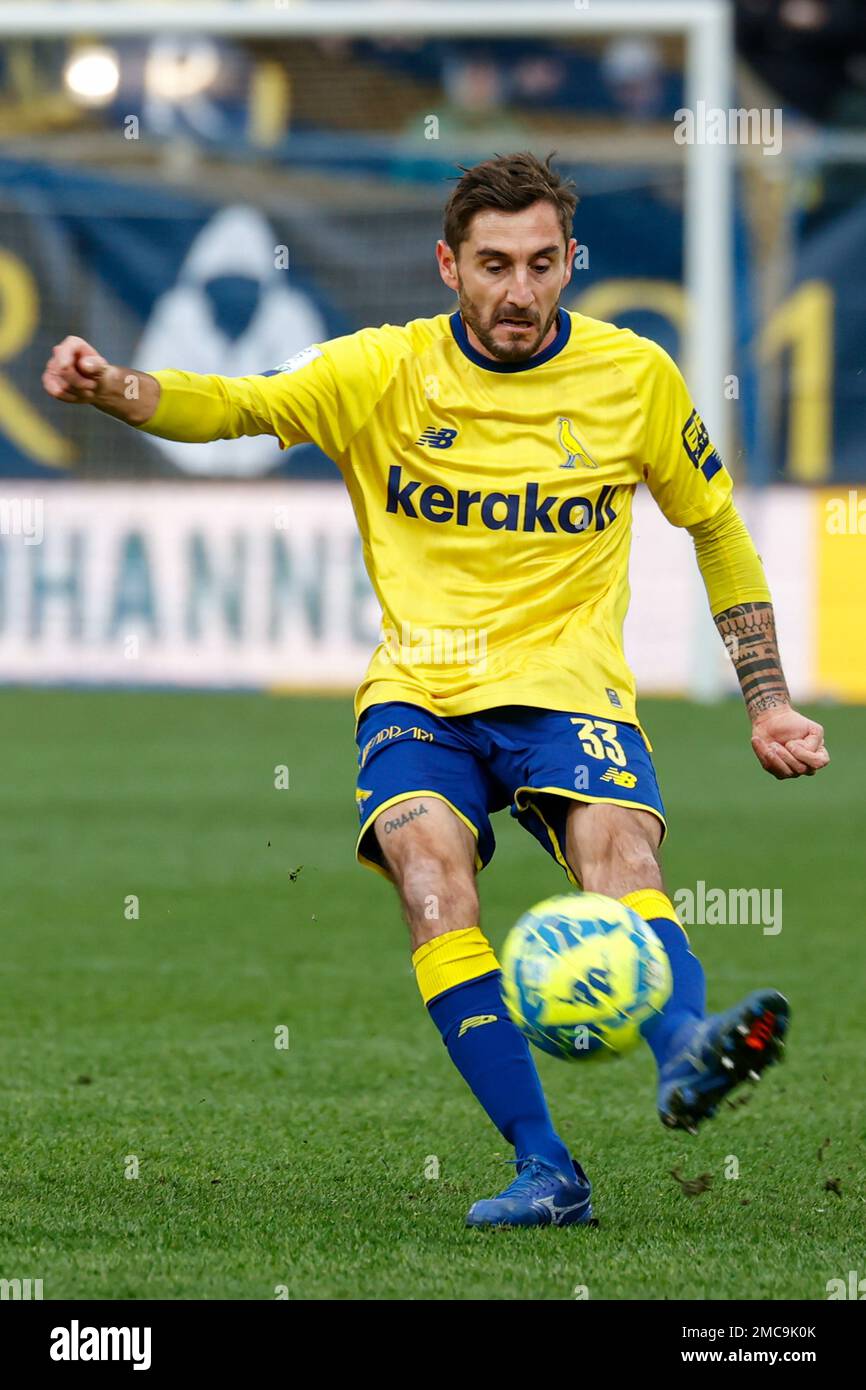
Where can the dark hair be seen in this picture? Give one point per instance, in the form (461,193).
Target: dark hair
(508,183)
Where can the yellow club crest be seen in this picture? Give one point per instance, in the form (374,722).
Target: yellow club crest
(571,444)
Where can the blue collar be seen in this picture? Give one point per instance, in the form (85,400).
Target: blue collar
(563,333)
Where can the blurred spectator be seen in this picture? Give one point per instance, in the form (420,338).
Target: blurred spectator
(811,52)
(539,78)
(632,71)
(474,113)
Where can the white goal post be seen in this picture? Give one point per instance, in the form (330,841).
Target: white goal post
(706,25)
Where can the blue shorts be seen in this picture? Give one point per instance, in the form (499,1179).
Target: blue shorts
(535,761)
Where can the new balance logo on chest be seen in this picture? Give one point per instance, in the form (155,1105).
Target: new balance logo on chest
(437,438)
(527,510)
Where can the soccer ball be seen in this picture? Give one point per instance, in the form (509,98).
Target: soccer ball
(581,973)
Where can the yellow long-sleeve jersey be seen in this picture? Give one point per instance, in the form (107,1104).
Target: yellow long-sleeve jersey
(493,500)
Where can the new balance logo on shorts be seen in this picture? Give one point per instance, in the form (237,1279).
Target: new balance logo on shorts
(499,511)
(620,779)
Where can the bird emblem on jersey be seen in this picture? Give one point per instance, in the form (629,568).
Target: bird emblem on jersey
(572,446)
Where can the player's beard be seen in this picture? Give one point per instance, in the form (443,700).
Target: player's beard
(514,350)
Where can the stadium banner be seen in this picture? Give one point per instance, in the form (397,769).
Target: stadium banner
(234,585)
(237,287)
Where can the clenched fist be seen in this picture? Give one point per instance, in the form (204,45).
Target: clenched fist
(77,373)
(788,744)
(74,372)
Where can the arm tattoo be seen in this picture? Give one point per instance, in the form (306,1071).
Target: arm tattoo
(749,632)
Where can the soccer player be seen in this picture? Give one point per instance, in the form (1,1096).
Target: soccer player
(491,455)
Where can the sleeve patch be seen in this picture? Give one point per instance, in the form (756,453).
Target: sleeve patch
(294,364)
(696,442)
(695,438)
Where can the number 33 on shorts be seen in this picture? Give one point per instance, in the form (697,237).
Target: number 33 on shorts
(598,738)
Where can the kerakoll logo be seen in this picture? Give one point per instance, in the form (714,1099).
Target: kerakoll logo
(499,511)
(76,1343)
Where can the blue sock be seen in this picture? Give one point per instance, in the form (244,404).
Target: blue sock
(687,1003)
(494,1060)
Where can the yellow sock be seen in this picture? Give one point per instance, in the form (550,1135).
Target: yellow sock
(652,902)
(688,996)
(451,960)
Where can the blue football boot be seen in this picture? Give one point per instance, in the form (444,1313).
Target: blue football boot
(539,1196)
(715,1054)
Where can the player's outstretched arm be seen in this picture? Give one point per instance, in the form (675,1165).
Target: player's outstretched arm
(786,743)
(195,408)
(77,373)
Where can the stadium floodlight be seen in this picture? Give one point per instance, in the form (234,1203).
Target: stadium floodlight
(92,75)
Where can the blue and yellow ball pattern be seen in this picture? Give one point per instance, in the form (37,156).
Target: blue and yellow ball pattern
(581,973)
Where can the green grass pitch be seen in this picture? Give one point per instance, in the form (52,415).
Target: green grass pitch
(307,1167)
